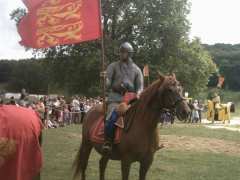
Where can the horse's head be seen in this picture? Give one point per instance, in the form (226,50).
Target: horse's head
(169,97)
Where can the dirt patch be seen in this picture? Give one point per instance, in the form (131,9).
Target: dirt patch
(200,144)
(74,135)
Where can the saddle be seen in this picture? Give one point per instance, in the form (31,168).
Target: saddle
(97,132)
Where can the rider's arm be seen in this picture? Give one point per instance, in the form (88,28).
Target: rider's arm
(139,82)
(109,79)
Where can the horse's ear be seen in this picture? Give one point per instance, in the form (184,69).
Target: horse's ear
(173,75)
(160,75)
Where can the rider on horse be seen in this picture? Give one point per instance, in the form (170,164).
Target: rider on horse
(123,77)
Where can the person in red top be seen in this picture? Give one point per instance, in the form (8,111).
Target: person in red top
(20,151)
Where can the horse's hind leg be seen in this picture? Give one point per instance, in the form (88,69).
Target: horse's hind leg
(102,167)
(82,160)
(125,165)
(144,167)
(86,153)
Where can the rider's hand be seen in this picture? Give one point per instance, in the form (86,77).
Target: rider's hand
(103,74)
(138,95)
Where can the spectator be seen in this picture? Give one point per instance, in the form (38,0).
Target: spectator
(195,112)
(87,106)
(201,108)
(75,109)
(66,115)
(23,94)
(40,108)
(82,110)
(12,101)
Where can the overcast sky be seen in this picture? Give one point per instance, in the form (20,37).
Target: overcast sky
(213,21)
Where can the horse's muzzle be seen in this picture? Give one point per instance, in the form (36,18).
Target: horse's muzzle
(183,111)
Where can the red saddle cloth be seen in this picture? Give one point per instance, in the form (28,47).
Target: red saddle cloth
(128,97)
(97,132)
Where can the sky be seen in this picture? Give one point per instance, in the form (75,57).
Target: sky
(213,21)
(9,38)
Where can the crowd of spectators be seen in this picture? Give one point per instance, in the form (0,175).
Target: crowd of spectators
(57,111)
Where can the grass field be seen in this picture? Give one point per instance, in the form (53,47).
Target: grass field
(191,153)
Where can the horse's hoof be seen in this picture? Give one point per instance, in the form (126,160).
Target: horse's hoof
(161,146)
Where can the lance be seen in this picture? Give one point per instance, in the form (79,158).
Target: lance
(103,66)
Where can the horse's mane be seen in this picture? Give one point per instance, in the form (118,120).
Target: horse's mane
(138,109)
(150,92)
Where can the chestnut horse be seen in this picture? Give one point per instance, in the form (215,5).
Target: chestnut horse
(20,151)
(138,143)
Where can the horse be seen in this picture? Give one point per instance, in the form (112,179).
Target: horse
(138,143)
(20,140)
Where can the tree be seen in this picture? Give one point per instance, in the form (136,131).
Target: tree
(28,74)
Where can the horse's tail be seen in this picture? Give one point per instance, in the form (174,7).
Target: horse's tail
(81,160)
(77,163)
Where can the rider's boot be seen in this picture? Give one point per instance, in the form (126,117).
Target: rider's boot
(109,132)
(108,141)
(107,146)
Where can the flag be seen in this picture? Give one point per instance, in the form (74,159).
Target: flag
(59,22)
(221,80)
(146,71)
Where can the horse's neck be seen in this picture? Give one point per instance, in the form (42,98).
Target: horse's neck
(146,121)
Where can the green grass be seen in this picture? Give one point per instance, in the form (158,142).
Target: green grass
(60,147)
(200,131)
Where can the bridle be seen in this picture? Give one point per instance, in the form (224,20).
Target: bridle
(170,112)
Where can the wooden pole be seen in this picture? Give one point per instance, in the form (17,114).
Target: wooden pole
(146,75)
(148,80)
(103,68)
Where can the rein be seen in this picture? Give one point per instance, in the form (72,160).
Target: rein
(168,113)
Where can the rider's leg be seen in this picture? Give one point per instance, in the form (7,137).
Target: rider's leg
(107,146)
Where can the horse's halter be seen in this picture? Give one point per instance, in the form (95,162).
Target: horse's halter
(169,111)
(174,96)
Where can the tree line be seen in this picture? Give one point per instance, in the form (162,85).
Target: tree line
(227,59)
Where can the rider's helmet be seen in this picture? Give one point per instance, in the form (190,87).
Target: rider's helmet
(127,46)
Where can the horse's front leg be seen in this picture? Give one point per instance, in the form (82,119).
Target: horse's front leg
(144,166)
(102,167)
(125,165)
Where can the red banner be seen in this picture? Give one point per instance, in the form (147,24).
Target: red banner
(221,80)
(59,22)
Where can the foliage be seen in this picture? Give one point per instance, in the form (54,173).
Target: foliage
(29,74)
(17,14)
(193,66)
(227,57)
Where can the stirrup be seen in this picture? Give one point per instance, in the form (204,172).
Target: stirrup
(107,147)
(159,146)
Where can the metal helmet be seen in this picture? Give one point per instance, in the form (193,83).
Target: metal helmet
(127,46)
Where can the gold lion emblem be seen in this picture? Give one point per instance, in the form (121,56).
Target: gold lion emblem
(7,148)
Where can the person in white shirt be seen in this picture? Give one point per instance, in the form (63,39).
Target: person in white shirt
(76,110)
